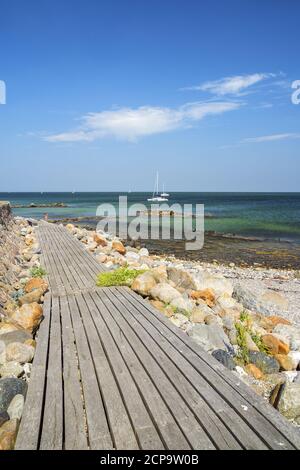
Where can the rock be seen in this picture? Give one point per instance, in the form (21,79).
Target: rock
(213,320)
(253,370)
(70,227)
(132,256)
(217,283)
(181,278)
(207,295)
(297,378)
(181,321)
(164,292)
(16,336)
(160,273)
(291,334)
(2,352)
(210,337)
(250,344)
(8,434)
(267,364)
(275,345)
(143,252)
(228,322)
(9,387)
(225,358)
(285,362)
(119,247)
(295,358)
(276,320)
(11,369)
(4,416)
(267,303)
(19,352)
(7,327)
(180,304)
(30,342)
(101,241)
(36,283)
(197,315)
(16,406)
(34,296)
(143,283)
(291,375)
(289,400)
(28,316)
(102,258)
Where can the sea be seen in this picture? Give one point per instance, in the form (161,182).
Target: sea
(271,219)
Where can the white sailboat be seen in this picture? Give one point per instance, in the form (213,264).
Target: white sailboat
(164,194)
(156,197)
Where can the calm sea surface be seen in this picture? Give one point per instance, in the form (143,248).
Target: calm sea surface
(267,215)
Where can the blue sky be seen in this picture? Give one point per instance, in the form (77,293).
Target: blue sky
(101,94)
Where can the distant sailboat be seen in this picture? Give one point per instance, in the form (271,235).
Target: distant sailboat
(164,194)
(156,197)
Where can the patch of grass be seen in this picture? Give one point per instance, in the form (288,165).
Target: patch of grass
(119,277)
(244,316)
(243,354)
(259,343)
(38,272)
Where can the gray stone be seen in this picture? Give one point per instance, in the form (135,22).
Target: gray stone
(10,387)
(17,336)
(16,406)
(11,369)
(265,302)
(224,358)
(289,400)
(4,416)
(267,364)
(210,337)
(181,278)
(182,304)
(164,292)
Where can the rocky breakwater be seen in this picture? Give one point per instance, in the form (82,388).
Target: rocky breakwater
(22,289)
(240,328)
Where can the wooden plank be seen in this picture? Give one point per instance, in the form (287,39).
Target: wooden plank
(144,428)
(134,351)
(29,431)
(220,420)
(165,423)
(75,436)
(97,422)
(52,427)
(202,362)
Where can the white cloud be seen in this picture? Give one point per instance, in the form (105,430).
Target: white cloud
(271,138)
(234,85)
(133,123)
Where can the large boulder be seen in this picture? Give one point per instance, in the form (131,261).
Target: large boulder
(210,337)
(267,364)
(181,304)
(181,278)
(275,345)
(143,283)
(225,358)
(164,292)
(289,401)
(28,316)
(119,247)
(8,434)
(11,369)
(19,352)
(19,336)
(101,241)
(33,296)
(265,302)
(10,387)
(36,283)
(218,283)
(291,334)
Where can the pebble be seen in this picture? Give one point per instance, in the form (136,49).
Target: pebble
(16,406)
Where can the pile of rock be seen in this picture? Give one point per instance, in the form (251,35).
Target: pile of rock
(21,298)
(263,348)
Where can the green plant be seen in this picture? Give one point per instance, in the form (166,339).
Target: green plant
(38,272)
(243,354)
(244,316)
(119,277)
(259,343)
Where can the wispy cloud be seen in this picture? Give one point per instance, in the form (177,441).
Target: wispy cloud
(234,85)
(132,123)
(271,138)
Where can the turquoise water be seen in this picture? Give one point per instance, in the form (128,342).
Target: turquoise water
(267,215)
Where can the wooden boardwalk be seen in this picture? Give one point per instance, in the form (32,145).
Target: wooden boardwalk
(110,372)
